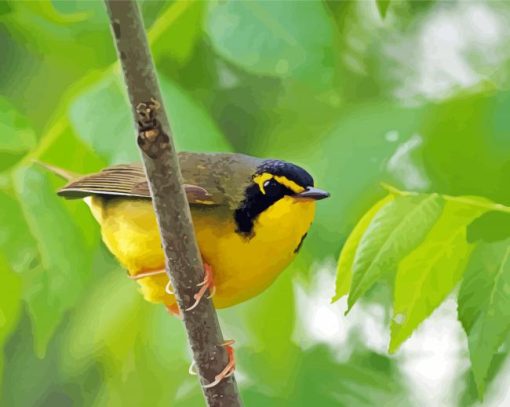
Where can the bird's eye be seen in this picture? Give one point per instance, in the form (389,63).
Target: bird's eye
(271,187)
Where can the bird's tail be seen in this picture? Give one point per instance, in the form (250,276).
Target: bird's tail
(65,174)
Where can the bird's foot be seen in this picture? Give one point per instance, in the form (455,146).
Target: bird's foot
(208,283)
(144,274)
(226,372)
(229,369)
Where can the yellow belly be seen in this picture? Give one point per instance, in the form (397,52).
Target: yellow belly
(242,267)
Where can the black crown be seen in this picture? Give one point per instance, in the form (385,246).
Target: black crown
(288,170)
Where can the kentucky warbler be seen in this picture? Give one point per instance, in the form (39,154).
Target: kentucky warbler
(250,218)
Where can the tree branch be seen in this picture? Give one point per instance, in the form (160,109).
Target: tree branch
(183,260)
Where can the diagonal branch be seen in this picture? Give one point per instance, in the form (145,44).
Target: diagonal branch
(183,260)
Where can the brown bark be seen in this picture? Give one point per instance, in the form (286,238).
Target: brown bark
(183,260)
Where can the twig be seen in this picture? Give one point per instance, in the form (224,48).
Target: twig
(183,260)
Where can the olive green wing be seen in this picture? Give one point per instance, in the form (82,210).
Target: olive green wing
(125,180)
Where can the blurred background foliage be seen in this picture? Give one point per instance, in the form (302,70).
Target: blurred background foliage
(419,98)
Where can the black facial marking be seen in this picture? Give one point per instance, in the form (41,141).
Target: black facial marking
(255,202)
(300,243)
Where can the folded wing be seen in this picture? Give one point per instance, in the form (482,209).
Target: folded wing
(125,180)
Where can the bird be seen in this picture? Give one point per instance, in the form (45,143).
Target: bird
(250,217)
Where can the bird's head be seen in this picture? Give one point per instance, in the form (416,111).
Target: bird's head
(275,187)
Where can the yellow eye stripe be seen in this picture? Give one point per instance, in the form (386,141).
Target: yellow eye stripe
(262,178)
(296,188)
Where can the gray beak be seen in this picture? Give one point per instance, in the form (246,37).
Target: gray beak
(312,193)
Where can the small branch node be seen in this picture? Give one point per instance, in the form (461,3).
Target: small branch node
(151,137)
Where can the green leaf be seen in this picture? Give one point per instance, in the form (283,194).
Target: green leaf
(366,379)
(470,396)
(429,273)
(58,13)
(492,226)
(5,8)
(99,323)
(382,6)
(188,120)
(53,287)
(182,20)
(278,304)
(395,230)
(102,118)
(276,38)
(10,304)
(112,132)
(484,305)
(17,136)
(346,260)
(17,243)
(479,282)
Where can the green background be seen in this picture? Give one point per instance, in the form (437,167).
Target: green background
(419,98)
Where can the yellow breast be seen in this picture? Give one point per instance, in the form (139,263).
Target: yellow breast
(243,266)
